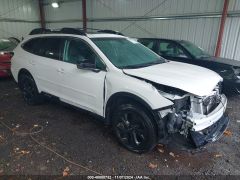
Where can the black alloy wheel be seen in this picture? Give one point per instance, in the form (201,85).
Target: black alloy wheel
(134,128)
(29,90)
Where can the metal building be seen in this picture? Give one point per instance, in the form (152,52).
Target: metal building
(195,20)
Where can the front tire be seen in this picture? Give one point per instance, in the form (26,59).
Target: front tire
(134,128)
(29,90)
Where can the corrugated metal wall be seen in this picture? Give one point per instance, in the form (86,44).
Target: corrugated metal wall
(128,8)
(70,10)
(202,31)
(18,17)
(109,14)
(231,38)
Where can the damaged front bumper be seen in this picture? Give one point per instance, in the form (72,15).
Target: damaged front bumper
(199,128)
(210,134)
(209,128)
(201,121)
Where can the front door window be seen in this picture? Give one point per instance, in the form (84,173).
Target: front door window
(77,51)
(170,49)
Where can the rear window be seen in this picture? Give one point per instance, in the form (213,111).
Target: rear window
(50,47)
(6,45)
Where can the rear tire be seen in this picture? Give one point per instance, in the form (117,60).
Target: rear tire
(29,90)
(134,128)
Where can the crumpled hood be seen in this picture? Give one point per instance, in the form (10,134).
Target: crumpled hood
(190,78)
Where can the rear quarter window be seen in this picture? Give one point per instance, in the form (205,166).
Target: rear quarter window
(49,47)
(33,46)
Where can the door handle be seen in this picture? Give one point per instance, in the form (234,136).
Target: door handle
(60,70)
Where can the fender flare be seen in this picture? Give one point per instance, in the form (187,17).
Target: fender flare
(131,96)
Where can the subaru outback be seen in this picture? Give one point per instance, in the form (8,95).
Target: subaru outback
(145,98)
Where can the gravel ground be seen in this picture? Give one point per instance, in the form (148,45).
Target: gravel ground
(84,139)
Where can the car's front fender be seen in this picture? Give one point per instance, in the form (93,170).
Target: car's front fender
(117,83)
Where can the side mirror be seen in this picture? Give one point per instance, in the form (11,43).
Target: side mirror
(87,66)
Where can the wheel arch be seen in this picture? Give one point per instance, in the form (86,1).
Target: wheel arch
(121,97)
(27,72)
(23,71)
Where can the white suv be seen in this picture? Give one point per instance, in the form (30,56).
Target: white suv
(145,98)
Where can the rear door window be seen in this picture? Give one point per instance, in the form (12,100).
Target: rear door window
(50,47)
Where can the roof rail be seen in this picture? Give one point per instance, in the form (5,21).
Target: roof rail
(110,32)
(76,31)
(39,31)
(59,31)
(72,31)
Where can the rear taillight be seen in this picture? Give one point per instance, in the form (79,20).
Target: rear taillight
(6,56)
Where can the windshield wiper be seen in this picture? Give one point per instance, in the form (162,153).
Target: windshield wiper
(132,66)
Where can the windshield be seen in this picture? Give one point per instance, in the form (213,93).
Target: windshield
(196,51)
(125,53)
(6,45)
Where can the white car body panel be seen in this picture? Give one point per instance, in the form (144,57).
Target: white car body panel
(190,78)
(49,76)
(118,82)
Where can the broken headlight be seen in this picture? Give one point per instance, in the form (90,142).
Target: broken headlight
(205,105)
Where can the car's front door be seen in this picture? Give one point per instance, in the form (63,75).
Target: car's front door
(83,87)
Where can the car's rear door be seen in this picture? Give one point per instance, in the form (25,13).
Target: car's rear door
(47,65)
(83,88)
